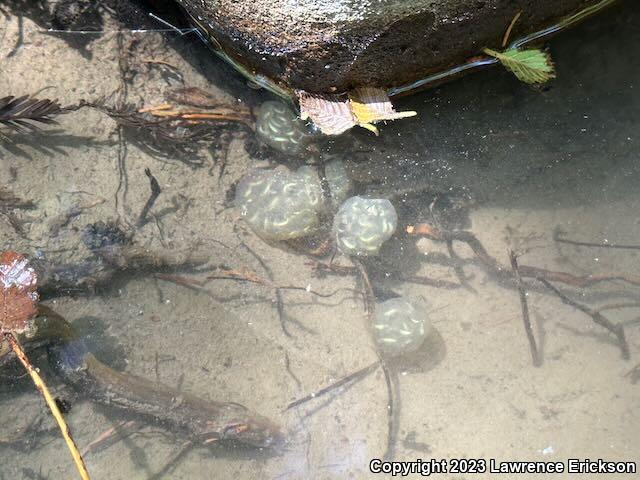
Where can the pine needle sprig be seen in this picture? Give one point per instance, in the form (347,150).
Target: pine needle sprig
(26,112)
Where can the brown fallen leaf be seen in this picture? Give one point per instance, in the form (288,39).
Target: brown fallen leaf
(363,107)
(18,295)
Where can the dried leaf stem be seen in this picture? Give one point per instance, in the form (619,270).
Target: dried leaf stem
(42,387)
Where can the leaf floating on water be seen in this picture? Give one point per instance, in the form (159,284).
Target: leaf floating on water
(530,66)
(334,115)
(371,105)
(18,295)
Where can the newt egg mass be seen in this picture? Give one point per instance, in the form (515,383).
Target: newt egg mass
(279,127)
(280,205)
(400,326)
(362,225)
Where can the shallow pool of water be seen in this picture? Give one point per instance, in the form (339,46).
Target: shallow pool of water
(188,296)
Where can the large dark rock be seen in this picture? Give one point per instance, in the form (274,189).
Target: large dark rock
(326,46)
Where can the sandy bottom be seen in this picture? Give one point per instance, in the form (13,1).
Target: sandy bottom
(529,162)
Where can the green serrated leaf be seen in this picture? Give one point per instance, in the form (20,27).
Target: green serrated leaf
(530,66)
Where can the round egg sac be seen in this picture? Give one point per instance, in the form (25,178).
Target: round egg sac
(400,326)
(280,205)
(278,126)
(362,225)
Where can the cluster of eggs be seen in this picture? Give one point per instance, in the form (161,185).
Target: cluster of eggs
(362,225)
(278,204)
(279,126)
(400,326)
(281,205)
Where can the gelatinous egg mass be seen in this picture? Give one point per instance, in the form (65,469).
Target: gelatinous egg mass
(278,204)
(362,225)
(400,326)
(279,126)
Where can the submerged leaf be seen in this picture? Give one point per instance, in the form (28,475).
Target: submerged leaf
(18,294)
(329,113)
(334,115)
(371,105)
(530,65)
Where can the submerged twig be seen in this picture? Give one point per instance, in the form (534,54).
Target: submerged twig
(596,316)
(525,310)
(155,193)
(86,275)
(392,424)
(540,274)
(62,220)
(244,275)
(282,316)
(193,97)
(472,241)
(617,305)
(352,377)
(368,295)
(558,236)
(110,436)
(51,403)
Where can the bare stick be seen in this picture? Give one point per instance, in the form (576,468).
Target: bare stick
(542,275)
(525,310)
(112,435)
(575,280)
(597,317)
(369,296)
(471,240)
(357,375)
(558,236)
(507,34)
(392,425)
(51,403)
(617,305)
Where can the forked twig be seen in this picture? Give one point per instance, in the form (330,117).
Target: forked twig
(596,316)
(542,275)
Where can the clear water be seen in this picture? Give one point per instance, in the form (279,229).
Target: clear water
(486,155)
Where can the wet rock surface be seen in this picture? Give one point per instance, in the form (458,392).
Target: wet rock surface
(326,46)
